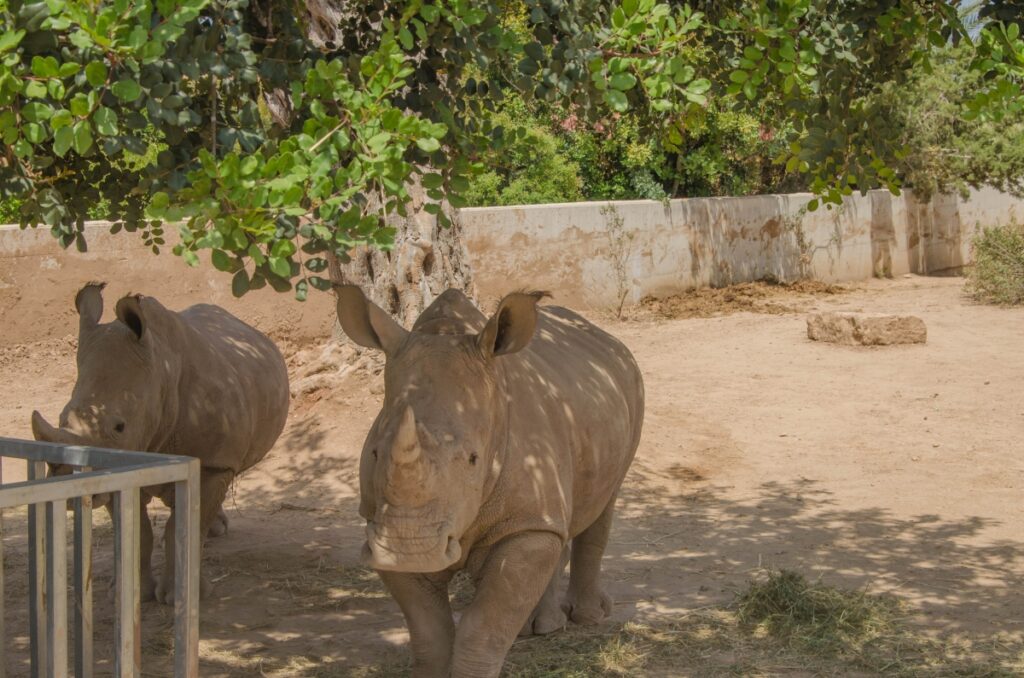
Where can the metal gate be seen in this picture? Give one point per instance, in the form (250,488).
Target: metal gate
(99,471)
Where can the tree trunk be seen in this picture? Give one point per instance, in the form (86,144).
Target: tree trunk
(426,260)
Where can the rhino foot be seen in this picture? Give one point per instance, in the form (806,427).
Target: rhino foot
(589,610)
(544,621)
(219,525)
(147,590)
(164,592)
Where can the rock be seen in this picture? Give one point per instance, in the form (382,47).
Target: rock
(865,329)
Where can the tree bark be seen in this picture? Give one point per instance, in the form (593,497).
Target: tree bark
(426,260)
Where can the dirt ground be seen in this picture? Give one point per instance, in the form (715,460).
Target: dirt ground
(898,470)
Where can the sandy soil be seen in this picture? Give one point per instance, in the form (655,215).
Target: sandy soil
(898,469)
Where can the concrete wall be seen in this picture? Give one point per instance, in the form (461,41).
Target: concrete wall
(598,255)
(590,255)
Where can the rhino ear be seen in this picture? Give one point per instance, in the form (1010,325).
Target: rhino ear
(89,304)
(511,327)
(129,311)
(366,323)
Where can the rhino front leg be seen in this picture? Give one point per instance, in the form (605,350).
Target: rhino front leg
(549,616)
(511,583)
(587,602)
(219,526)
(147,583)
(213,487)
(428,614)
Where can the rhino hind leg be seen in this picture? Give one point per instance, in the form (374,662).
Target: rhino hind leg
(587,602)
(213,487)
(219,526)
(548,616)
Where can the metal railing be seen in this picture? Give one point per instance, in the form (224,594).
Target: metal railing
(99,471)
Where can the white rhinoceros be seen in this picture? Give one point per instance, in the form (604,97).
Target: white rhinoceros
(199,383)
(500,441)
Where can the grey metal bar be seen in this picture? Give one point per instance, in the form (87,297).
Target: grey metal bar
(84,664)
(76,455)
(37,578)
(186,561)
(128,657)
(57,590)
(3,635)
(67,487)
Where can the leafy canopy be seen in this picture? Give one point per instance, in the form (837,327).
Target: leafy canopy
(274,134)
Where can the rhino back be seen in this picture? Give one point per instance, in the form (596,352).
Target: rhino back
(233,390)
(576,402)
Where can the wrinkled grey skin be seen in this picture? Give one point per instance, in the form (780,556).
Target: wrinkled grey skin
(500,443)
(199,383)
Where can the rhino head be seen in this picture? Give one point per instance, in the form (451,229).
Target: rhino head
(432,456)
(118,399)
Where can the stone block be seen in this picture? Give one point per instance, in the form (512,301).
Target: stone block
(866,329)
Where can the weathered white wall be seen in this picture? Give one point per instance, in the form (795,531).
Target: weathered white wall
(590,255)
(597,254)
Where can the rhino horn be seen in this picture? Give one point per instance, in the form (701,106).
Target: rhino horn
(42,431)
(406,446)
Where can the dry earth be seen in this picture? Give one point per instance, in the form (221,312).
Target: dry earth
(897,469)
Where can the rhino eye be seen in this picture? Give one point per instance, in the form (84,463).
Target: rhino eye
(374,452)
(472,458)
(119,427)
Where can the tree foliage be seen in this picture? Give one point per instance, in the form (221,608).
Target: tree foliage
(276,134)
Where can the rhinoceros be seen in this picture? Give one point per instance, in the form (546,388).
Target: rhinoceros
(500,442)
(199,383)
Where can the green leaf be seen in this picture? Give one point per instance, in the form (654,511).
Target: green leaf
(282,248)
(96,73)
(280,266)
(190,258)
(221,261)
(428,144)
(432,180)
(405,37)
(82,140)
(34,89)
(10,39)
(45,67)
(301,290)
(62,140)
(629,7)
(37,112)
(35,132)
(430,13)
(240,283)
(622,81)
(80,105)
(105,121)
(617,100)
(126,90)
(699,86)
(739,76)
(68,69)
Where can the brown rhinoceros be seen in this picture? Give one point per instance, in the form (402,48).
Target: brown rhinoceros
(199,383)
(500,441)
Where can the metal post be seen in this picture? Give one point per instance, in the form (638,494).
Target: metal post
(83,587)
(37,578)
(56,589)
(3,636)
(128,658)
(186,593)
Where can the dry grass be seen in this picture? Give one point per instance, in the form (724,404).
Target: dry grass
(997,275)
(755,297)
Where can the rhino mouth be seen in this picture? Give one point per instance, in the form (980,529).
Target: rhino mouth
(399,546)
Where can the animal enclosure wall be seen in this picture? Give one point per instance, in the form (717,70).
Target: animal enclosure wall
(598,255)
(590,255)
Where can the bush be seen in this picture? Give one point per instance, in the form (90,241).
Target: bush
(529,170)
(997,276)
